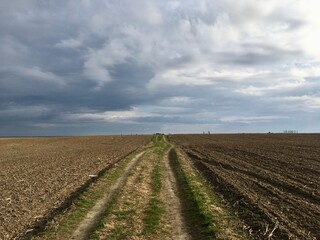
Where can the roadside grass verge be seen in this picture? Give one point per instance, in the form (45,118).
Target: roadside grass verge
(196,197)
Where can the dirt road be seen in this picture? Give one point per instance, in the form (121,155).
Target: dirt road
(154,194)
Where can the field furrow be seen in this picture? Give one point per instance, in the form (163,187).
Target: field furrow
(278,174)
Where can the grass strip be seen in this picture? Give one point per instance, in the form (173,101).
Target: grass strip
(152,215)
(154,209)
(200,220)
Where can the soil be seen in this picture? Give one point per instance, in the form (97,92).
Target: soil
(39,176)
(228,224)
(271,180)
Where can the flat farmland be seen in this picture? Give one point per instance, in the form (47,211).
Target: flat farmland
(272,181)
(37,175)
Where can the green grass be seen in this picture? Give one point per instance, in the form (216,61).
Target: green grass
(100,224)
(123,214)
(153,215)
(156,179)
(161,145)
(155,208)
(118,233)
(195,208)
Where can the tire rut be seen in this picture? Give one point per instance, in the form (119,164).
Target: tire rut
(173,203)
(88,224)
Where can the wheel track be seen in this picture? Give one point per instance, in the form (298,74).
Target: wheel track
(173,203)
(88,224)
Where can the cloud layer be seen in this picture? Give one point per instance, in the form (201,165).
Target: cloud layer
(101,67)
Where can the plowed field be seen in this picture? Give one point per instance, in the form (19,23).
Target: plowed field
(38,174)
(271,180)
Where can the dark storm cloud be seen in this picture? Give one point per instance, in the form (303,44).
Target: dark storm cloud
(98,67)
(264,55)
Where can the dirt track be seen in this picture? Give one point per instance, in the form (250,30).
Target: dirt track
(271,180)
(156,196)
(128,217)
(37,175)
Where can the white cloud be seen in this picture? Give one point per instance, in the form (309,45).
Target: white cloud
(281,87)
(69,43)
(175,77)
(189,128)
(309,69)
(98,61)
(112,116)
(308,37)
(35,73)
(185,60)
(174,101)
(250,119)
(168,32)
(301,103)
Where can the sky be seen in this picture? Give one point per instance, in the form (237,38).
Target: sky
(81,67)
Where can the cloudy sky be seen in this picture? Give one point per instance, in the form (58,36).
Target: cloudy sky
(81,67)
